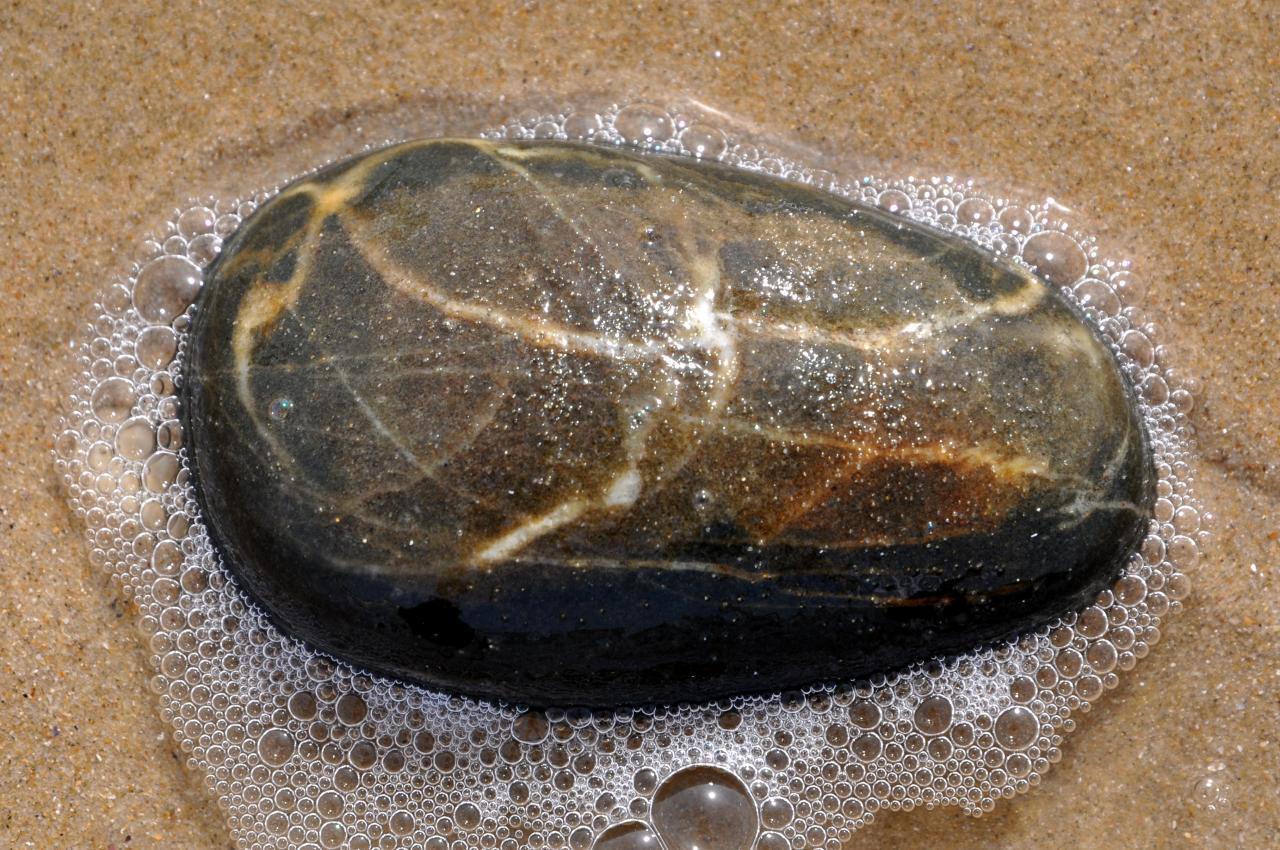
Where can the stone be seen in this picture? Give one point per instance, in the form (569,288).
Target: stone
(557,424)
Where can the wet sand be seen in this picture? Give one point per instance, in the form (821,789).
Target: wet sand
(1158,124)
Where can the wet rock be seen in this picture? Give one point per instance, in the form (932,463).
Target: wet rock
(553,423)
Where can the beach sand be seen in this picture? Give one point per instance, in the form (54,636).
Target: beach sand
(1160,124)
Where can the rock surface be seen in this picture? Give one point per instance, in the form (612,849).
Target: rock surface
(561,424)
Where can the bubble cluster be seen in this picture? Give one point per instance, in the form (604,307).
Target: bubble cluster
(304,752)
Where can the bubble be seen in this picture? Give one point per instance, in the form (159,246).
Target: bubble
(204,249)
(1089,688)
(1102,656)
(280,409)
(1056,256)
(975,211)
(643,122)
(606,803)
(165,288)
(1154,389)
(166,558)
(1022,689)
(1091,292)
(776,812)
(393,761)
(1130,590)
(1092,622)
(153,515)
(867,747)
(546,130)
(116,300)
(933,715)
(227,224)
(276,823)
(1178,586)
(701,807)
(329,804)
(363,755)
(1015,219)
(136,440)
(645,780)
(195,221)
(1016,728)
(581,125)
(703,141)
(351,709)
(895,201)
(1138,346)
(1069,663)
(113,399)
(773,841)
(1211,792)
(1186,520)
(160,471)
(275,746)
(99,456)
(467,815)
(729,720)
(401,823)
(161,384)
(531,727)
(169,435)
(580,838)
(332,835)
(156,346)
(630,835)
(864,714)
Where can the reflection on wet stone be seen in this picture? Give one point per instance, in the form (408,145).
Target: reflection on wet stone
(569,425)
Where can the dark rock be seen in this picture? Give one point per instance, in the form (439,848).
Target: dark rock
(553,423)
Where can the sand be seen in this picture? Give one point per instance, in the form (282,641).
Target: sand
(1158,123)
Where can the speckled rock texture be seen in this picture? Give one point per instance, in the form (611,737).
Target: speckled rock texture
(1156,122)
